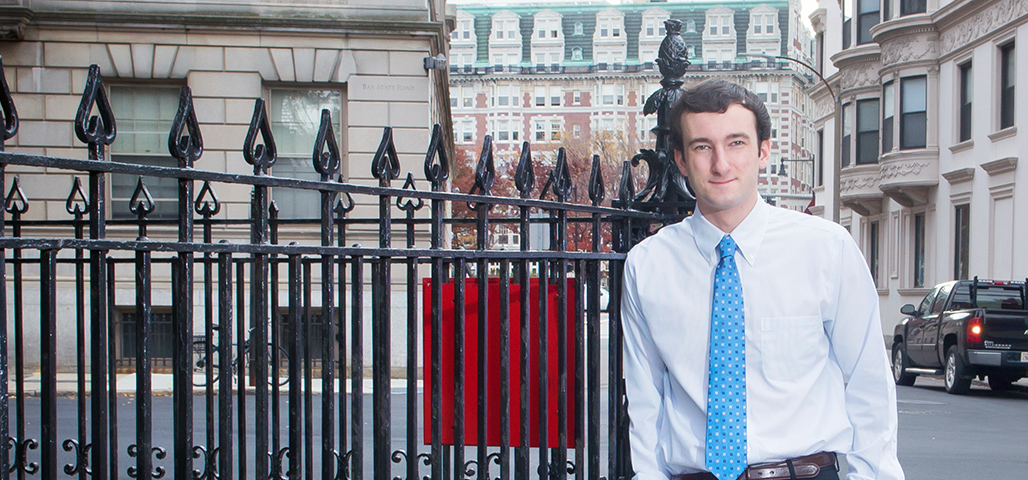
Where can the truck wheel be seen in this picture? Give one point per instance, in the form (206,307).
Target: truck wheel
(1000,382)
(899,367)
(958,382)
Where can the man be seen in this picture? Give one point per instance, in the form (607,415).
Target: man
(753,342)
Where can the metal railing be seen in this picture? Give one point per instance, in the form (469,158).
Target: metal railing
(300,408)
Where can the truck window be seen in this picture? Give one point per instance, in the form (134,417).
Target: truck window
(1006,297)
(940,298)
(961,298)
(926,304)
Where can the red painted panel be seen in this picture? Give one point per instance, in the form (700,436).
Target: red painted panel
(471,352)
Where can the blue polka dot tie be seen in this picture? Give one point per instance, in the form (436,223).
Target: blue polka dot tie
(726,394)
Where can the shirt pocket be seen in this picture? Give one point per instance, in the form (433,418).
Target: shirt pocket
(791,346)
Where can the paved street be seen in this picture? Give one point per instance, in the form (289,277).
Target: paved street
(979,435)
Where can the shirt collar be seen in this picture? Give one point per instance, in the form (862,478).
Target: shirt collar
(748,235)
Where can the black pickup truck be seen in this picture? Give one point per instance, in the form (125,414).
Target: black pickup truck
(962,330)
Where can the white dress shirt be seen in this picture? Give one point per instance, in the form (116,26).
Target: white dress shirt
(817,373)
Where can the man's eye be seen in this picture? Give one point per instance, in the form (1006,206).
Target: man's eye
(736,143)
(701,147)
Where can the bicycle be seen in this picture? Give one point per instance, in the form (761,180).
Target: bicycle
(200,362)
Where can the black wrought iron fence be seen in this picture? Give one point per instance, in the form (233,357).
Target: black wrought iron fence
(512,374)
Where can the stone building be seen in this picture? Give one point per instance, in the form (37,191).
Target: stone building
(555,73)
(929,182)
(364,60)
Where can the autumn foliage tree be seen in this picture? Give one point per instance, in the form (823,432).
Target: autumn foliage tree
(612,148)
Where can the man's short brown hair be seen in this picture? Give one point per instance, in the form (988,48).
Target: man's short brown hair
(715,96)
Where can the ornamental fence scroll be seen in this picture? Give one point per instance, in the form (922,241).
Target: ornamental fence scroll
(466,405)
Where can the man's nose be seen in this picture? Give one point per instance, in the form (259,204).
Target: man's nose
(718,160)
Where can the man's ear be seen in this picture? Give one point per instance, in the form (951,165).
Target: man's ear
(764,154)
(680,161)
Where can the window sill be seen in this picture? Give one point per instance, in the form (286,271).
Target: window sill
(1005,133)
(962,146)
(918,291)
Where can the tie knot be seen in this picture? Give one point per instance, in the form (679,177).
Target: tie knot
(727,247)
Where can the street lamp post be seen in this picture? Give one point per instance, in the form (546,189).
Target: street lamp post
(838,128)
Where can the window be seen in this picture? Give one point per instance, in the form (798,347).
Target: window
(547,130)
(847,129)
(612,94)
(919,238)
(576,97)
(886,10)
(576,130)
(690,26)
(160,339)
(820,157)
(295,118)
(579,30)
(654,27)
(547,27)
(505,28)
(966,94)
(867,132)
(908,7)
(926,302)
(506,129)
(540,96)
(913,112)
(821,52)
(961,241)
(463,30)
(888,113)
(504,95)
(555,95)
(847,33)
(464,130)
(873,250)
(940,299)
(144,119)
(867,18)
(453,96)
(1007,78)
(576,54)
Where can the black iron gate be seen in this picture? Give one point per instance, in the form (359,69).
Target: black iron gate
(265,385)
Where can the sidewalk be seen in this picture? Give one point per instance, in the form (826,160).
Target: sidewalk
(161,384)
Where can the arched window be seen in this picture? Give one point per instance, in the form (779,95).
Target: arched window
(576,54)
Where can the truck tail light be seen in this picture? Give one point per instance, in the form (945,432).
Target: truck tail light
(974,330)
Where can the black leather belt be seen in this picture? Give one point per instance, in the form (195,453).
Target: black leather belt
(808,466)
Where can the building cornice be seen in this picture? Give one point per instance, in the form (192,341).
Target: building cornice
(399,22)
(965,23)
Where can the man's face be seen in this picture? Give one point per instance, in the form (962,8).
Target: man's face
(722,158)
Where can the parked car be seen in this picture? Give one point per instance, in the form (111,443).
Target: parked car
(962,330)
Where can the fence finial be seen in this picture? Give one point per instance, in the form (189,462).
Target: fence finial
(485,170)
(559,178)
(626,189)
(207,203)
(15,204)
(386,165)
(342,208)
(524,176)
(437,166)
(263,156)
(596,190)
(77,202)
(7,105)
(326,150)
(141,202)
(407,204)
(100,129)
(186,148)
